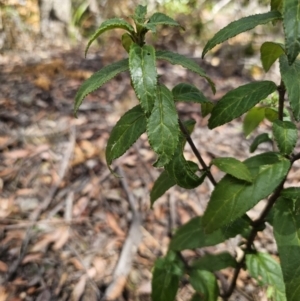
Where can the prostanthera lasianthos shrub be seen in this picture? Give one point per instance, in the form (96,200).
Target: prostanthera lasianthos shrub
(245,183)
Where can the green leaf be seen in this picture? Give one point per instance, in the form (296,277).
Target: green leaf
(192,236)
(126,41)
(127,130)
(240,26)
(98,79)
(140,14)
(252,119)
(269,53)
(266,270)
(238,101)
(142,67)
(231,197)
(233,167)
(286,225)
(291,79)
(178,59)
(205,283)
(286,135)
(188,93)
(271,114)
(292,193)
(166,276)
(214,262)
(160,19)
(163,129)
(108,25)
(291,26)
(276,5)
(258,140)
(161,185)
(206,108)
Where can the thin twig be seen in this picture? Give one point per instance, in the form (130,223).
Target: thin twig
(295,157)
(196,152)
(281,91)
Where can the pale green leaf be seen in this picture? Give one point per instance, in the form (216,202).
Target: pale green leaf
(269,53)
(271,114)
(233,167)
(214,262)
(252,119)
(205,283)
(206,108)
(142,66)
(286,225)
(161,185)
(240,26)
(126,41)
(163,129)
(188,93)
(140,13)
(98,79)
(291,26)
(178,59)
(258,140)
(231,197)
(238,101)
(291,79)
(160,19)
(286,135)
(127,130)
(266,270)
(108,25)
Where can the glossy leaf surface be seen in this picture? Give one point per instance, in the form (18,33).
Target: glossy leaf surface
(98,79)
(142,67)
(127,130)
(291,79)
(232,198)
(252,119)
(233,167)
(240,26)
(238,101)
(108,25)
(286,225)
(178,59)
(266,270)
(259,140)
(286,135)
(291,26)
(163,128)
(269,53)
(188,93)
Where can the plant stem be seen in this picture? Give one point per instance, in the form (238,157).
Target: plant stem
(196,152)
(281,91)
(295,158)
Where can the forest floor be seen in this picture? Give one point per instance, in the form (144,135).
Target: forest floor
(64,218)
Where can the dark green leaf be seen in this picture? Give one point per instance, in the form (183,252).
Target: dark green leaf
(214,262)
(258,140)
(292,193)
(238,101)
(160,19)
(276,5)
(205,283)
(233,167)
(269,53)
(271,114)
(252,119)
(98,79)
(267,271)
(163,129)
(108,25)
(178,59)
(142,67)
(231,197)
(188,93)
(286,135)
(240,26)
(140,13)
(206,108)
(127,130)
(291,26)
(161,185)
(291,79)
(166,276)
(286,225)
(127,41)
